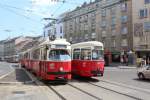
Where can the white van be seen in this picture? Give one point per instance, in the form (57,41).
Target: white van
(144,72)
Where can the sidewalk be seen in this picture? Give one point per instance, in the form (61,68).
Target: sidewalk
(127,67)
(17,76)
(121,66)
(18,85)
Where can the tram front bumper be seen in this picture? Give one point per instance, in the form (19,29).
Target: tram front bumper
(59,75)
(97,73)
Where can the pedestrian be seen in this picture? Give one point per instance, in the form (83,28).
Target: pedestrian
(126,60)
(121,59)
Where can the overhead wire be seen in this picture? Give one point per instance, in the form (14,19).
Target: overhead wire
(59,7)
(9,6)
(12,11)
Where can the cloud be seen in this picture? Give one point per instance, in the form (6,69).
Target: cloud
(40,8)
(41,12)
(43,2)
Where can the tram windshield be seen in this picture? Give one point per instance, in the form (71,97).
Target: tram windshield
(97,54)
(59,55)
(94,54)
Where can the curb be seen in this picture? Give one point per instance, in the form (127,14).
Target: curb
(40,84)
(127,67)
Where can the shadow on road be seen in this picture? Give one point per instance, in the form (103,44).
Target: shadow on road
(142,80)
(84,79)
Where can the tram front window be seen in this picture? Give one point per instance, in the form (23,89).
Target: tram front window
(86,54)
(97,54)
(59,55)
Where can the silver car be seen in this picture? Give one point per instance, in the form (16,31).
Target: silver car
(144,72)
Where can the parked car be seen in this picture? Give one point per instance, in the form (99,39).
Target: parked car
(144,72)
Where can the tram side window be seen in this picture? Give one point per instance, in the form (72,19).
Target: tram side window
(36,54)
(76,54)
(26,56)
(45,54)
(86,54)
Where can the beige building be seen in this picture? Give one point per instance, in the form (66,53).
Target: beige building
(2,49)
(141,27)
(108,21)
(80,24)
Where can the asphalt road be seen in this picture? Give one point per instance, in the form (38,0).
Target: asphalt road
(125,76)
(96,88)
(4,68)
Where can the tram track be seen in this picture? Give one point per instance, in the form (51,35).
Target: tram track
(97,98)
(62,97)
(57,93)
(129,87)
(133,97)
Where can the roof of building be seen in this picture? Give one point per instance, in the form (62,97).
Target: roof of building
(87,44)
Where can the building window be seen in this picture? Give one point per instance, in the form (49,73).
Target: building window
(113,43)
(103,24)
(93,35)
(113,32)
(124,43)
(113,11)
(103,12)
(147,1)
(113,21)
(143,13)
(147,26)
(103,33)
(93,30)
(124,19)
(61,29)
(124,30)
(86,36)
(124,7)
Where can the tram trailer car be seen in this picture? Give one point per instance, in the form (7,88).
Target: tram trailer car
(50,60)
(88,59)
(12,59)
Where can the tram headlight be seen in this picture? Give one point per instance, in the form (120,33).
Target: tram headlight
(61,69)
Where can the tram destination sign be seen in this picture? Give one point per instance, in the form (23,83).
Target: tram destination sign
(98,47)
(61,46)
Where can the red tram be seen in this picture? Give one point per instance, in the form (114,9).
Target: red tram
(87,59)
(50,60)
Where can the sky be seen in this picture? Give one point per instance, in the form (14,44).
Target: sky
(25,17)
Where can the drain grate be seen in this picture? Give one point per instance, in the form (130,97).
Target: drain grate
(18,92)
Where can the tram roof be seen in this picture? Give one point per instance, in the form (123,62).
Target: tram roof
(87,44)
(57,41)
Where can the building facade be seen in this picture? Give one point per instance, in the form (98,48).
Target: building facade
(108,21)
(55,28)
(1,50)
(141,28)
(80,24)
(50,29)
